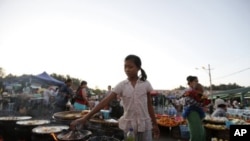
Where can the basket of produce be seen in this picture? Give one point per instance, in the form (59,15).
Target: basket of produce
(215,120)
(169,121)
(215,126)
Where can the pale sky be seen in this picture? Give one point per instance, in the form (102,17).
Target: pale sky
(90,39)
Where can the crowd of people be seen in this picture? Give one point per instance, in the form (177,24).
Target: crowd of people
(130,101)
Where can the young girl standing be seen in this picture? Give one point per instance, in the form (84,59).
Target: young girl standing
(137,103)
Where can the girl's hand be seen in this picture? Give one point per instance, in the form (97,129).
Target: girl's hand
(156,131)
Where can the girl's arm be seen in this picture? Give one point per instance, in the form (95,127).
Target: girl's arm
(96,109)
(156,131)
(102,103)
(151,110)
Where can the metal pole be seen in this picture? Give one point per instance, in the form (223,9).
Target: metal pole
(210,81)
(211,94)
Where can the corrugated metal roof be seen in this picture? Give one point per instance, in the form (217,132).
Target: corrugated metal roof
(233,92)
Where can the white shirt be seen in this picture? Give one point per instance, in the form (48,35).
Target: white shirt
(219,112)
(135,105)
(46,95)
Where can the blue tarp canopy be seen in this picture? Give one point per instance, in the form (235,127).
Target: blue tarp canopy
(48,79)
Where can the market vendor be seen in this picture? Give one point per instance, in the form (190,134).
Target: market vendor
(64,95)
(81,98)
(221,108)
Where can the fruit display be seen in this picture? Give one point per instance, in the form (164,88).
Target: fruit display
(169,121)
(216,127)
(222,123)
(209,119)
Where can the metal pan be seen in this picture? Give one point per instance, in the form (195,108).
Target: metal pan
(14,118)
(68,115)
(32,122)
(48,129)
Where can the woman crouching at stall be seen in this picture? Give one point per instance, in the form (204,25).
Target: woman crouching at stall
(137,103)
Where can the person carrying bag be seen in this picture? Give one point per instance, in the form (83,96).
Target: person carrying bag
(64,95)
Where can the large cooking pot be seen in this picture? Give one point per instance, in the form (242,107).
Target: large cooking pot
(47,132)
(74,135)
(35,122)
(24,128)
(7,119)
(8,124)
(66,117)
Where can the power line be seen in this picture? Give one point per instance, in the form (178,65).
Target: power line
(233,73)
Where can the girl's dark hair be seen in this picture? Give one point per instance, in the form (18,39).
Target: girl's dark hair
(137,62)
(191,78)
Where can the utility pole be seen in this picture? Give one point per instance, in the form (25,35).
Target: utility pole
(211,94)
(210,88)
(210,81)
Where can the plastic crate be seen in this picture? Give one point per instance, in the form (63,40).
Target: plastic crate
(185,134)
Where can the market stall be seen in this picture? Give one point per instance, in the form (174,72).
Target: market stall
(167,116)
(216,128)
(219,127)
(176,124)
